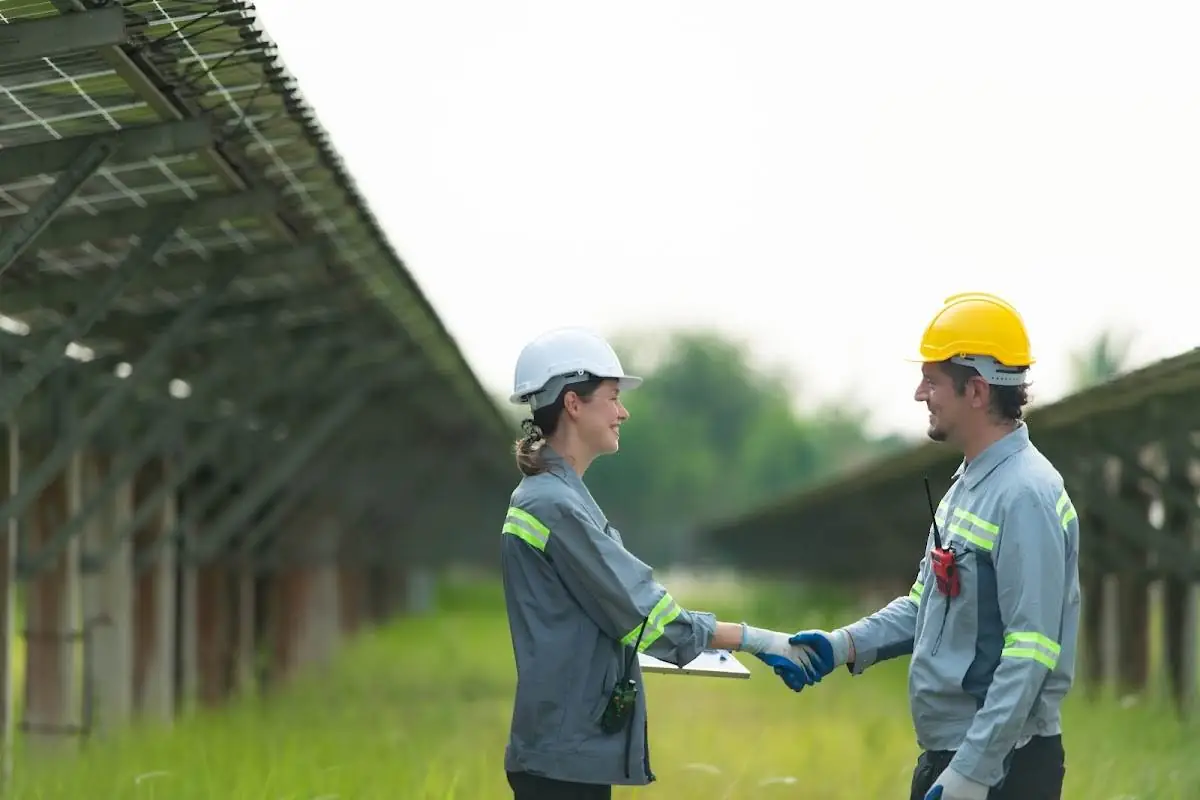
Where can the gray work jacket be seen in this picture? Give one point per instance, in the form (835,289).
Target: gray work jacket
(991,667)
(576,601)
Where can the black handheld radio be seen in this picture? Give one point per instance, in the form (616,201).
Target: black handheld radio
(942,559)
(619,710)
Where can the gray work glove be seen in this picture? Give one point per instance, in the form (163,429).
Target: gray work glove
(951,785)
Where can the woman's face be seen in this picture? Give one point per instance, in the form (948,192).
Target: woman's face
(598,418)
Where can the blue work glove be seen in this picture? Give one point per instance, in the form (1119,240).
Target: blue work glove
(951,785)
(793,663)
(832,649)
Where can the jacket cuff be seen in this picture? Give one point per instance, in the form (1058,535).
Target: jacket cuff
(979,767)
(865,652)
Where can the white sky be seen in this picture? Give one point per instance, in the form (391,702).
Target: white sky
(813,178)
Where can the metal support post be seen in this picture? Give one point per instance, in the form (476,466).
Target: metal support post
(131,458)
(197,455)
(10,605)
(50,355)
(301,450)
(15,239)
(147,367)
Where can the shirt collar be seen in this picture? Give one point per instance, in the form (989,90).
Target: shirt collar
(993,456)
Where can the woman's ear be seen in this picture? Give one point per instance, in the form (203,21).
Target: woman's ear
(570,403)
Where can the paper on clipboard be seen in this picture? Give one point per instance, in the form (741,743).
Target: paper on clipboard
(710,663)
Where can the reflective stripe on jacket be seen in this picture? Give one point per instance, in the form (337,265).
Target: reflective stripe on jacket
(576,601)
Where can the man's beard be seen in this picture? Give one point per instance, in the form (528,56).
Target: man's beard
(936,434)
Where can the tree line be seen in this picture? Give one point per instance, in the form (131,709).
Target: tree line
(711,436)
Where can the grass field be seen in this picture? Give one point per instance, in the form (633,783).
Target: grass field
(419,711)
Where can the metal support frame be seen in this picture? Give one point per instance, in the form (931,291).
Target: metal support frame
(129,144)
(211,209)
(50,354)
(195,457)
(241,467)
(266,528)
(48,37)
(148,367)
(249,312)
(358,507)
(17,237)
(301,450)
(175,276)
(129,460)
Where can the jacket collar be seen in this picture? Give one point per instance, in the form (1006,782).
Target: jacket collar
(558,466)
(993,456)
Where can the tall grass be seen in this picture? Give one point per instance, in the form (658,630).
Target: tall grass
(420,711)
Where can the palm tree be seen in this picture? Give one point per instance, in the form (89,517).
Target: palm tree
(1099,362)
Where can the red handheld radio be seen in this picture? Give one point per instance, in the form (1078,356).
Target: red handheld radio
(942,559)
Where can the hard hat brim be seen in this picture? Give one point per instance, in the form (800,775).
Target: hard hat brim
(624,383)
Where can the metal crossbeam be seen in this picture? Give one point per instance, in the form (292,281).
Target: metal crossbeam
(174,277)
(206,211)
(352,510)
(15,238)
(247,466)
(50,354)
(47,37)
(148,367)
(246,463)
(128,145)
(300,451)
(135,455)
(202,451)
(242,313)
(282,507)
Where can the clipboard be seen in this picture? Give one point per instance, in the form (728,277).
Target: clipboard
(710,664)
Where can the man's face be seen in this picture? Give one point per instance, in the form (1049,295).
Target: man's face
(946,407)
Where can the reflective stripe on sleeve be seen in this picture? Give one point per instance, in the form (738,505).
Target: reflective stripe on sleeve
(916,591)
(664,611)
(1065,509)
(527,528)
(1027,644)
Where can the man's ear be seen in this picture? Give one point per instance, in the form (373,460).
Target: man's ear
(980,392)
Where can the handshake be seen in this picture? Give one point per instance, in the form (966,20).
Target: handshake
(801,659)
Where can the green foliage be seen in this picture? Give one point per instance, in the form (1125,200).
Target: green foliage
(711,435)
(1106,357)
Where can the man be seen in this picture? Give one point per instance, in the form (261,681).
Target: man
(993,657)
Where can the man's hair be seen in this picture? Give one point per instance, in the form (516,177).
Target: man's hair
(1004,402)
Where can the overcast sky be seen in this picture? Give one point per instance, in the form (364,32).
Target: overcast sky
(812,178)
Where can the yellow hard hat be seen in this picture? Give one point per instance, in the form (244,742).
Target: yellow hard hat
(977,324)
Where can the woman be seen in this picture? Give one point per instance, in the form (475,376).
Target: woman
(580,606)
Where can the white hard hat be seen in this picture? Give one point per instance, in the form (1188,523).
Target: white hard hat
(561,357)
